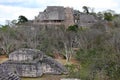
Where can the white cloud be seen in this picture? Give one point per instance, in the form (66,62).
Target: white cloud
(10,13)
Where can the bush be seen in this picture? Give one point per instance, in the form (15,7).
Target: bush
(73,28)
(74,71)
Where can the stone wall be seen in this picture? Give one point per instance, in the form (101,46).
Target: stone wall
(6,75)
(24,55)
(50,66)
(87,20)
(26,70)
(51,13)
(20,57)
(55,15)
(69,19)
(63,16)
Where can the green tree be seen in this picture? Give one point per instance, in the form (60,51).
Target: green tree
(108,16)
(14,22)
(86,9)
(7,39)
(22,19)
(73,28)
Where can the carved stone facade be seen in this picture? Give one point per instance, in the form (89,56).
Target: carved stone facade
(59,15)
(32,63)
(55,15)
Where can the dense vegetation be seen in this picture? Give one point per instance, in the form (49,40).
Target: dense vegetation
(98,47)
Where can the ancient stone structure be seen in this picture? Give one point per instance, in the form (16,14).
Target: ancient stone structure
(32,63)
(59,15)
(6,75)
(69,18)
(55,15)
(86,20)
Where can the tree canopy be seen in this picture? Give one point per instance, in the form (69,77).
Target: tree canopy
(22,19)
(86,9)
(73,28)
(108,16)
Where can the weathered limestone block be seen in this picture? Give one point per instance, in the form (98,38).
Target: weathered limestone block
(23,55)
(32,63)
(50,66)
(24,69)
(6,75)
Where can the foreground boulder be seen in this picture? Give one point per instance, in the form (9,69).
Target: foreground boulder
(6,75)
(32,63)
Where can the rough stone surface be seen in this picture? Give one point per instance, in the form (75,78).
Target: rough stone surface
(52,67)
(6,75)
(86,20)
(32,63)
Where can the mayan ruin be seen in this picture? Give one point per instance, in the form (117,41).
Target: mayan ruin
(32,63)
(56,15)
(65,16)
(59,40)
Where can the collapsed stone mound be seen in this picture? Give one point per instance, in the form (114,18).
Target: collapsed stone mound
(6,75)
(32,63)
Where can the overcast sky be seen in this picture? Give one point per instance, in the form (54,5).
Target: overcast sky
(11,9)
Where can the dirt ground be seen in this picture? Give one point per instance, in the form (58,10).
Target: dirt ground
(3,58)
(46,77)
